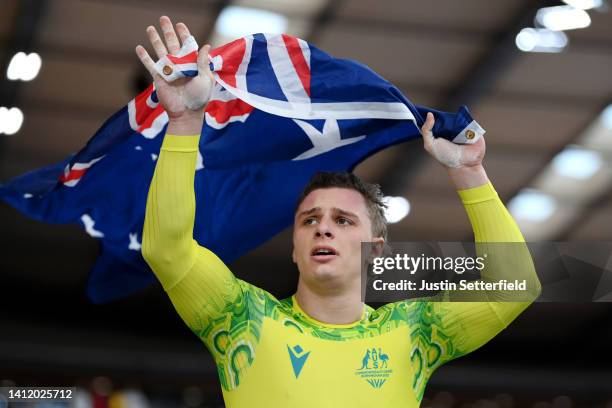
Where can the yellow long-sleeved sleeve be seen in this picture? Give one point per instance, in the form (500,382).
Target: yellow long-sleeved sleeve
(472,324)
(497,235)
(199,284)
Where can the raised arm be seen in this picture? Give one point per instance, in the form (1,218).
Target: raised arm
(468,325)
(200,286)
(472,324)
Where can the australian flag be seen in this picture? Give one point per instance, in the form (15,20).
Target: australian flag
(281,110)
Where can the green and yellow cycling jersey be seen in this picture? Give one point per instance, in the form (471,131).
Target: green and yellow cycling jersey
(270,353)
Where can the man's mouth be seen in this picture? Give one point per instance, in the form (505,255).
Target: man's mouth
(323,253)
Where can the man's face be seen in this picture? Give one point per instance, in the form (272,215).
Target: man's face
(329,226)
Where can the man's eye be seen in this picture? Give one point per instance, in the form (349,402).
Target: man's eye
(344,221)
(309,221)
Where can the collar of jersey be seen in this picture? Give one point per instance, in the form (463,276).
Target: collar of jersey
(297,309)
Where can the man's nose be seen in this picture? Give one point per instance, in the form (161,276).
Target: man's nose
(323,230)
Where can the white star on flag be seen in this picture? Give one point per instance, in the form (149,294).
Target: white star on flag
(89,223)
(134,244)
(324,141)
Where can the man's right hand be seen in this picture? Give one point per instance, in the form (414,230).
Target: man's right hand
(184,98)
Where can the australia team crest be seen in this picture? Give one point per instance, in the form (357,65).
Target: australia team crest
(374,367)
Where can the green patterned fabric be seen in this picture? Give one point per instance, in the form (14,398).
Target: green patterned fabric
(233,339)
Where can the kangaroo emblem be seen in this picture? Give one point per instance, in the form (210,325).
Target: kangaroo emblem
(365,361)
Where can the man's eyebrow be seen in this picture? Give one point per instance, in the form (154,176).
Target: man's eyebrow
(308,212)
(334,209)
(344,212)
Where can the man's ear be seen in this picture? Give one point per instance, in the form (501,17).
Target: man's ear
(293,255)
(376,248)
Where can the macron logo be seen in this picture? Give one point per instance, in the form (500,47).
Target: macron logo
(298,358)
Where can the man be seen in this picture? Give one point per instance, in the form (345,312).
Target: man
(323,346)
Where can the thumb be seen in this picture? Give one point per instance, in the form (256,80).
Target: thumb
(426,129)
(204,61)
(429,123)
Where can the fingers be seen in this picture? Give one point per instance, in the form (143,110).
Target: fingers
(426,130)
(203,61)
(480,143)
(173,44)
(156,42)
(182,31)
(429,123)
(146,60)
(171,39)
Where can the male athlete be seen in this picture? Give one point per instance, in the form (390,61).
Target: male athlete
(323,347)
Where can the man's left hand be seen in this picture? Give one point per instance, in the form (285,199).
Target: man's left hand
(462,162)
(449,154)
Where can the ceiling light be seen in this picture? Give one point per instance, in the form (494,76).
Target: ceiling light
(541,40)
(236,21)
(532,205)
(562,18)
(24,66)
(397,209)
(10,120)
(578,163)
(585,4)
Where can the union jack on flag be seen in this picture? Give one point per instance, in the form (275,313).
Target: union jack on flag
(280,111)
(184,64)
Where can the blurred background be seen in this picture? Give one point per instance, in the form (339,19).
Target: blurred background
(536,74)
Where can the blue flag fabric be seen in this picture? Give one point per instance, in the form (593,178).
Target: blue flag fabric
(281,110)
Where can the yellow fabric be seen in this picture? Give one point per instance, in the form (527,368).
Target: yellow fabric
(269,353)
(168,245)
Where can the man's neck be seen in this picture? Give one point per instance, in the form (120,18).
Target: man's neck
(337,308)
